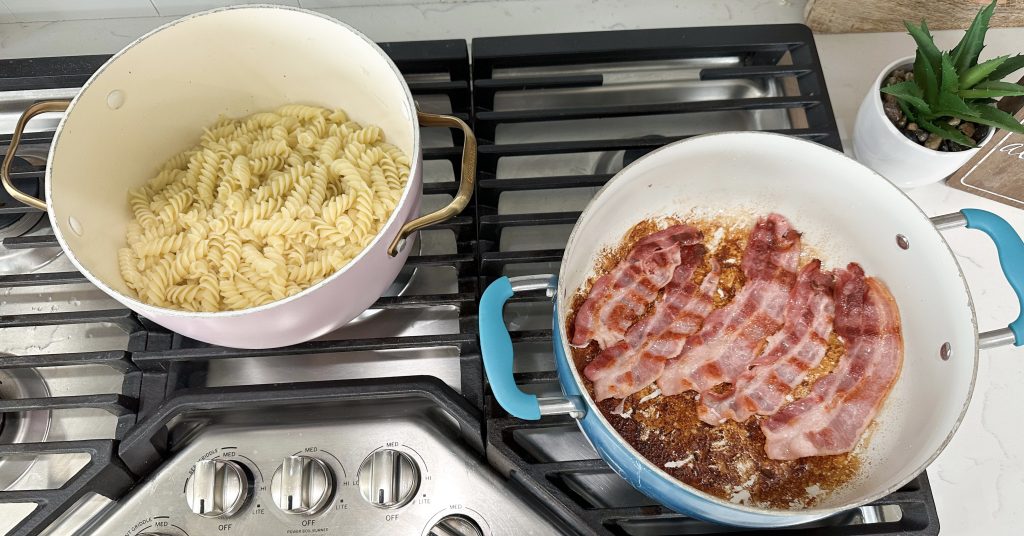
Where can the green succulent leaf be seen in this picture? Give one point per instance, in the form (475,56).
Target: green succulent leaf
(925,44)
(1008,67)
(925,77)
(908,92)
(948,132)
(951,104)
(996,84)
(911,116)
(980,72)
(949,81)
(965,54)
(994,117)
(986,90)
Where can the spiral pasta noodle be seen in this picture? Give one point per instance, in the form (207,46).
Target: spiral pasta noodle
(262,208)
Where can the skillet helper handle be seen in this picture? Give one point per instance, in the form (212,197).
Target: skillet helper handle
(496,348)
(466,183)
(19,128)
(1011,259)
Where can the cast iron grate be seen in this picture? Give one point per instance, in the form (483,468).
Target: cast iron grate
(102,473)
(23,329)
(143,449)
(566,486)
(789,98)
(557,116)
(160,368)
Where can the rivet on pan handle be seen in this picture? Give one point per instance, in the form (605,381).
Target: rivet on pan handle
(465,185)
(1011,259)
(5,168)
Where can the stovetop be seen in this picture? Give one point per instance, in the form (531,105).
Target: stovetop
(113,425)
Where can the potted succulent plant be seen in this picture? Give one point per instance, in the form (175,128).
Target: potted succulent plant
(925,116)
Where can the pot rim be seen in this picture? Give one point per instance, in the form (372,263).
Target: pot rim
(592,408)
(134,303)
(914,147)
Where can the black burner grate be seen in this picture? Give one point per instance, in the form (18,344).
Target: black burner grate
(522,95)
(162,369)
(142,450)
(557,116)
(103,473)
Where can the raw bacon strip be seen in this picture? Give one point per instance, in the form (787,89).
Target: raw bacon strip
(832,418)
(679,292)
(636,362)
(621,296)
(731,336)
(790,353)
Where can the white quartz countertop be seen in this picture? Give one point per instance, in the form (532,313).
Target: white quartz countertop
(979,480)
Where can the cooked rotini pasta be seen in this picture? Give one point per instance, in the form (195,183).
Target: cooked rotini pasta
(262,208)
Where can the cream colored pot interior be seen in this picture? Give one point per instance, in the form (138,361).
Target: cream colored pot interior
(153,99)
(847,213)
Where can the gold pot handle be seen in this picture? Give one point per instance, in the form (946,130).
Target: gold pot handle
(5,168)
(465,185)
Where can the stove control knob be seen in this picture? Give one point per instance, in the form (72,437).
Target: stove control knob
(302,485)
(388,478)
(217,488)
(456,525)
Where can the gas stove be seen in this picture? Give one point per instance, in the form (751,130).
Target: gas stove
(114,425)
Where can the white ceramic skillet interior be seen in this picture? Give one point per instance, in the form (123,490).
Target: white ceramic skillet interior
(152,100)
(848,213)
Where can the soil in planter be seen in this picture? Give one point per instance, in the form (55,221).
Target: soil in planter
(919,135)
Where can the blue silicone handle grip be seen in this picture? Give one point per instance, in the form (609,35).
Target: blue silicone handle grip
(496,347)
(1011,257)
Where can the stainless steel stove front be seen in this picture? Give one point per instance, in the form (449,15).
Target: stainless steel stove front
(394,467)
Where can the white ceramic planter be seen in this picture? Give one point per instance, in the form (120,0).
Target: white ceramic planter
(878,144)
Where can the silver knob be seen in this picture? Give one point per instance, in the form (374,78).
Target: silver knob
(217,488)
(456,525)
(388,478)
(302,485)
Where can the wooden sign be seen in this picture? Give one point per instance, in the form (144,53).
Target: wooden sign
(997,171)
(846,16)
